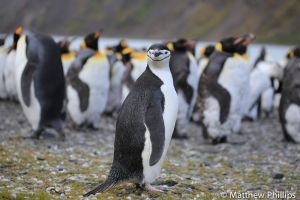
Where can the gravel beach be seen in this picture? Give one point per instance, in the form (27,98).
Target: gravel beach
(257,161)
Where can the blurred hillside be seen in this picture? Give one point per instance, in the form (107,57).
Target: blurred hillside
(274,21)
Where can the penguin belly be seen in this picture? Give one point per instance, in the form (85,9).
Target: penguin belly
(235,79)
(292,121)
(183,111)
(33,111)
(267,100)
(211,119)
(9,75)
(169,117)
(201,66)
(95,74)
(3,56)
(192,80)
(115,87)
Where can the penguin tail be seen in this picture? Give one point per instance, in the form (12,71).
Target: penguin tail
(107,185)
(116,175)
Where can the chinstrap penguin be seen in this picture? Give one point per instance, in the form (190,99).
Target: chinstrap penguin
(145,125)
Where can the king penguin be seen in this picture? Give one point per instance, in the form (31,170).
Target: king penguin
(117,69)
(88,84)
(10,68)
(223,89)
(183,66)
(289,107)
(263,75)
(40,82)
(145,125)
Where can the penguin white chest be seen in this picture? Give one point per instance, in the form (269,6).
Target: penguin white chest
(292,117)
(9,74)
(33,111)
(95,74)
(169,118)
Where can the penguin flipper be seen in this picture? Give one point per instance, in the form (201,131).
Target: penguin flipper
(81,88)
(155,124)
(224,98)
(26,80)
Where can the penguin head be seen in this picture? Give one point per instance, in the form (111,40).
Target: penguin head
(17,34)
(91,40)
(295,52)
(158,54)
(184,45)
(64,46)
(235,44)
(126,55)
(207,51)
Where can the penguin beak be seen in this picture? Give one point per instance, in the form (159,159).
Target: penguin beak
(248,38)
(245,39)
(157,53)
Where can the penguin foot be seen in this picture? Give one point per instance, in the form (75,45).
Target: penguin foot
(158,188)
(180,137)
(37,134)
(62,136)
(219,140)
(93,127)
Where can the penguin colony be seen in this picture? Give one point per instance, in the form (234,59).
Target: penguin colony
(154,94)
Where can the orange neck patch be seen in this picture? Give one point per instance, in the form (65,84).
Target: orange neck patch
(139,56)
(99,55)
(68,56)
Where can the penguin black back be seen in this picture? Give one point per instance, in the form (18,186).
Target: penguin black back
(45,67)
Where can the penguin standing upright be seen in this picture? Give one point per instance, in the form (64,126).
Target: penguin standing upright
(289,107)
(3,55)
(263,74)
(184,70)
(10,68)
(145,125)
(88,84)
(40,82)
(223,89)
(117,69)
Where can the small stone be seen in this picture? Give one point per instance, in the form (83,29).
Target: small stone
(278,176)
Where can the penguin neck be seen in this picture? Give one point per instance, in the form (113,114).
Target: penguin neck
(162,70)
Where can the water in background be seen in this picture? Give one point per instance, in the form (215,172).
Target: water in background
(274,52)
